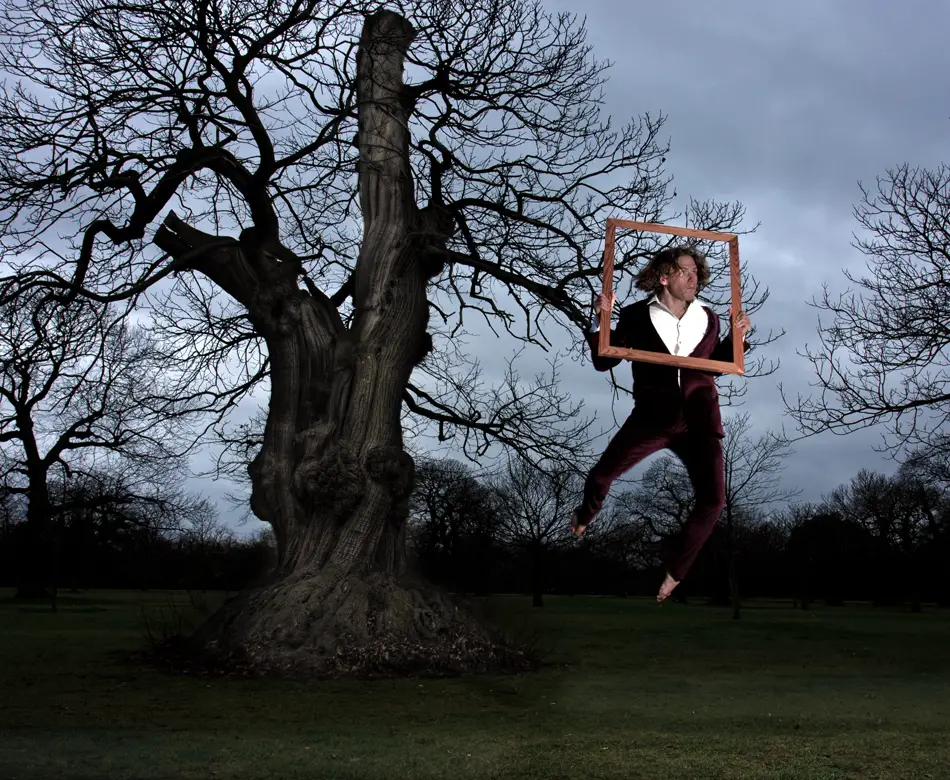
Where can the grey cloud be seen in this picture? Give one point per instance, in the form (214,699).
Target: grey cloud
(808,98)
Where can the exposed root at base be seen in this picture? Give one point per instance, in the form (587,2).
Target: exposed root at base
(383,658)
(321,628)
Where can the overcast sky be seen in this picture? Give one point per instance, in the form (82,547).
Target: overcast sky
(784,107)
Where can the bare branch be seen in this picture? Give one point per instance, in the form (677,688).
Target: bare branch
(884,356)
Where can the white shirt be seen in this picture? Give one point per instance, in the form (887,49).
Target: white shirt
(681,335)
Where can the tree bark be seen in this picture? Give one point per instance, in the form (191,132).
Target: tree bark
(332,477)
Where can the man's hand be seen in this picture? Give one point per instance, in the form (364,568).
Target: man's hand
(600,304)
(741,324)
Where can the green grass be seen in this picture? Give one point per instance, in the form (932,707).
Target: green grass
(633,691)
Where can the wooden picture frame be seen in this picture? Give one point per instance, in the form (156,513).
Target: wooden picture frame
(737,366)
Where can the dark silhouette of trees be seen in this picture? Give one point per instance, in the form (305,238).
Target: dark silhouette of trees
(77,383)
(119,530)
(114,521)
(454,522)
(798,560)
(876,537)
(832,555)
(901,514)
(926,474)
(762,552)
(620,551)
(328,194)
(753,485)
(534,509)
(116,529)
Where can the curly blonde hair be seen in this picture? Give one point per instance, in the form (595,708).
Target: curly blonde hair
(663,263)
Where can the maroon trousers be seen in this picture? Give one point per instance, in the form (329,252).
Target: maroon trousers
(701,453)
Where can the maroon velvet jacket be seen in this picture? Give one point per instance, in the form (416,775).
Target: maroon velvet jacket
(656,396)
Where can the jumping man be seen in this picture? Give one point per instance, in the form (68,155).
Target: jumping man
(675,409)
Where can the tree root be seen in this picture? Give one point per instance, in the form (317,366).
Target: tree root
(321,626)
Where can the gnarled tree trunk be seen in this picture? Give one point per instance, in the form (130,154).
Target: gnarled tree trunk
(332,477)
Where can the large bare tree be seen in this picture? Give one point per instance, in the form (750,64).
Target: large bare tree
(331,196)
(883,353)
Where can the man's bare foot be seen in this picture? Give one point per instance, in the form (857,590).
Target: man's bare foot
(576,528)
(666,589)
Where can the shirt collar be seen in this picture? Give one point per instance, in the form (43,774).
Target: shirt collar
(654,299)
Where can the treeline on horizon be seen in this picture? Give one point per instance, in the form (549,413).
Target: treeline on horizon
(877,538)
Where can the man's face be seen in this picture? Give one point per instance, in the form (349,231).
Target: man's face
(682,283)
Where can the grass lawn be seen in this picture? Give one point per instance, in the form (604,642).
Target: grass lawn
(632,690)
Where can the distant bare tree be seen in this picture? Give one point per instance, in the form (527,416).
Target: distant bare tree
(76,382)
(128,505)
(927,479)
(928,467)
(656,510)
(204,529)
(535,505)
(903,511)
(453,516)
(663,498)
(883,357)
(881,505)
(753,485)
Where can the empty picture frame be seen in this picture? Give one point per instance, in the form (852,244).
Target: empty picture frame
(604,349)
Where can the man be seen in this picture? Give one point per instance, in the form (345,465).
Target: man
(675,409)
